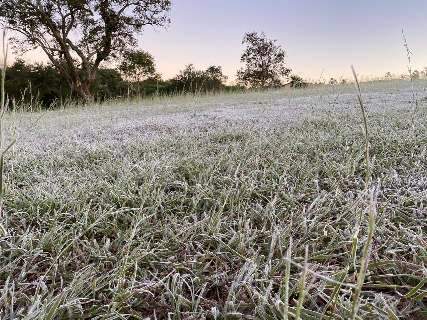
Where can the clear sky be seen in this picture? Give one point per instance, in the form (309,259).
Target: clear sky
(320,36)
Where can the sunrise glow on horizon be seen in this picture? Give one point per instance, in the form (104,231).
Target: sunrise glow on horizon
(322,38)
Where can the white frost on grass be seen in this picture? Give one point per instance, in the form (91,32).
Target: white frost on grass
(53,130)
(144,207)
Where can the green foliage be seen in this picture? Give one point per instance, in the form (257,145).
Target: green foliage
(139,69)
(195,81)
(214,78)
(44,85)
(27,83)
(138,65)
(109,84)
(297,82)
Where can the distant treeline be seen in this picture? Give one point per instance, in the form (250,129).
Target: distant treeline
(134,75)
(42,84)
(81,38)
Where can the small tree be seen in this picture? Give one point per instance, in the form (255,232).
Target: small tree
(188,80)
(297,82)
(264,62)
(415,75)
(138,65)
(215,78)
(192,80)
(78,35)
(333,81)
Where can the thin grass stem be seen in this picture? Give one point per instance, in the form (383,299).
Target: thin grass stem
(368,174)
(365,255)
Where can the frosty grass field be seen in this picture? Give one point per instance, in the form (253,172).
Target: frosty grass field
(184,208)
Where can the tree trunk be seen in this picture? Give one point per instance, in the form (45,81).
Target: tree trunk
(82,90)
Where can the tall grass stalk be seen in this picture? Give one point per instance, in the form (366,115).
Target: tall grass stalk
(411,77)
(3,106)
(320,276)
(368,174)
(286,281)
(3,109)
(372,210)
(365,254)
(5,49)
(302,290)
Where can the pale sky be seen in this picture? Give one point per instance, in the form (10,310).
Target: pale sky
(321,37)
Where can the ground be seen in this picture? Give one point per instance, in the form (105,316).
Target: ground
(185,207)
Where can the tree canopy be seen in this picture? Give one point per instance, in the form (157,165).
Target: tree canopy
(78,35)
(138,65)
(42,86)
(297,81)
(264,62)
(192,80)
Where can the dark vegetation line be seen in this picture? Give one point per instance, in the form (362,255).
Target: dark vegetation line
(43,86)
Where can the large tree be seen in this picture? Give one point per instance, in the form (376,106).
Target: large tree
(264,61)
(78,35)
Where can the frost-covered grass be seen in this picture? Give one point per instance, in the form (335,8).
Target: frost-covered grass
(185,208)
